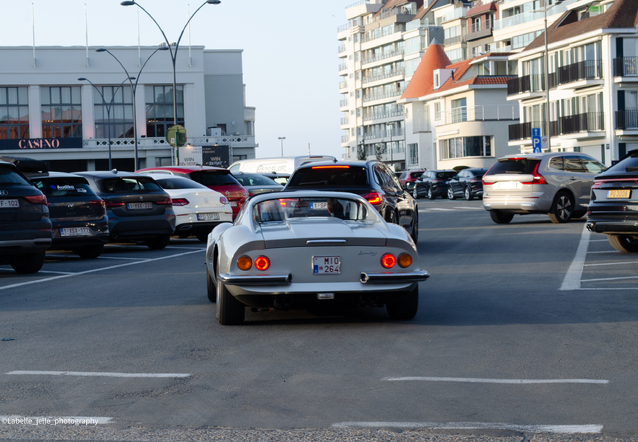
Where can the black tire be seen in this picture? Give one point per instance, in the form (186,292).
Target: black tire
(430,194)
(415,194)
(623,243)
(579,214)
(159,242)
(468,194)
(501,217)
(202,236)
(392,218)
(414,233)
(450,194)
(229,310)
(406,308)
(31,263)
(211,288)
(90,252)
(562,208)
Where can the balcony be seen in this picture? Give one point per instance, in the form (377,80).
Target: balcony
(343,67)
(343,85)
(583,72)
(587,122)
(529,86)
(370,116)
(479,113)
(381,134)
(341,49)
(578,126)
(627,120)
(380,57)
(383,95)
(625,70)
(343,103)
(479,29)
(345,121)
(383,76)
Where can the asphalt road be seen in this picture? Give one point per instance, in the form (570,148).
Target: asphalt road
(525,331)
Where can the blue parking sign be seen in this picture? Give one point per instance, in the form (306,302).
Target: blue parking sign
(536,139)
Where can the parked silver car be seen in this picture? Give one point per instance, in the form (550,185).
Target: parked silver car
(557,184)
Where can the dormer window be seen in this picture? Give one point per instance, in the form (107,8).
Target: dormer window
(437,80)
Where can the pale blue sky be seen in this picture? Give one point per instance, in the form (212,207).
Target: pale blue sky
(290,53)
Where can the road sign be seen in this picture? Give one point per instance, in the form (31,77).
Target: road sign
(176,135)
(536,139)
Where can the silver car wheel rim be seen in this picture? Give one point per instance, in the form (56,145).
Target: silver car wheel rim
(450,193)
(467,193)
(563,207)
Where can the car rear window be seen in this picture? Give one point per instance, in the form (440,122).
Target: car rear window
(279,210)
(63,186)
(416,174)
(629,164)
(255,180)
(129,185)
(9,177)
(178,183)
(214,178)
(514,166)
(329,176)
(445,175)
(478,173)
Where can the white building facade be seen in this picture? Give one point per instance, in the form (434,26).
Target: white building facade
(48,113)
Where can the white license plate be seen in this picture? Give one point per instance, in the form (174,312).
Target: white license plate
(207,216)
(326,265)
(233,204)
(319,206)
(140,206)
(75,231)
(9,203)
(506,185)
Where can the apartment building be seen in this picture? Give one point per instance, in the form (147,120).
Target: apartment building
(487,45)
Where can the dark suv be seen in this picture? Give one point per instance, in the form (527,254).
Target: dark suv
(372,179)
(137,207)
(25,227)
(433,183)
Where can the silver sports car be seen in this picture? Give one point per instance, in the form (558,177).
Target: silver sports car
(307,248)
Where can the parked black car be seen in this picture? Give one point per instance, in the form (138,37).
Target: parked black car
(137,207)
(372,179)
(78,215)
(25,227)
(433,183)
(613,207)
(466,184)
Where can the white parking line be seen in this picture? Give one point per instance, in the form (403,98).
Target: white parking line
(56,273)
(561,429)
(499,381)
(608,251)
(470,208)
(53,420)
(36,281)
(610,279)
(100,374)
(610,263)
(119,257)
(575,271)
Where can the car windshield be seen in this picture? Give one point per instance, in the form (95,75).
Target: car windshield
(129,184)
(282,209)
(330,176)
(8,177)
(53,187)
(445,174)
(174,182)
(515,165)
(255,180)
(214,178)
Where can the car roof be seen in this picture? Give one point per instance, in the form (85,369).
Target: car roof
(183,169)
(110,174)
(337,163)
(55,174)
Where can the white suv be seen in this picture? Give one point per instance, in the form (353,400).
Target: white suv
(557,183)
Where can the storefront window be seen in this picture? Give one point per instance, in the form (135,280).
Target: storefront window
(159,109)
(61,112)
(14,113)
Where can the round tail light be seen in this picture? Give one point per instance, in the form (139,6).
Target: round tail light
(244,263)
(388,261)
(405,260)
(262,263)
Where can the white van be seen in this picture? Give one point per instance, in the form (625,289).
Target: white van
(284,165)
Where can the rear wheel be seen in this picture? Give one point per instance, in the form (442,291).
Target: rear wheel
(623,243)
(90,252)
(229,310)
(210,287)
(430,194)
(450,194)
(501,217)
(406,308)
(159,242)
(468,194)
(415,194)
(31,263)
(415,226)
(562,208)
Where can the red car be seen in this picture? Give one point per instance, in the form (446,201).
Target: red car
(408,178)
(215,178)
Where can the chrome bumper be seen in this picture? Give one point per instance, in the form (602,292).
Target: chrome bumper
(256,279)
(390,278)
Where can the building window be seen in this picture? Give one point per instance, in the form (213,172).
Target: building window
(120,119)
(466,147)
(61,112)
(14,113)
(159,109)
(413,150)
(249,128)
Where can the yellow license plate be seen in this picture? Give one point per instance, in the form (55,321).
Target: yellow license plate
(619,193)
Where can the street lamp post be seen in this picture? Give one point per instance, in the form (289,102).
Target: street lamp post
(108,110)
(173,54)
(282,145)
(391,126)
(133,90)
(549,135)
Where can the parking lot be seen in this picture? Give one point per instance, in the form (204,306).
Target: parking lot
(523,328)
